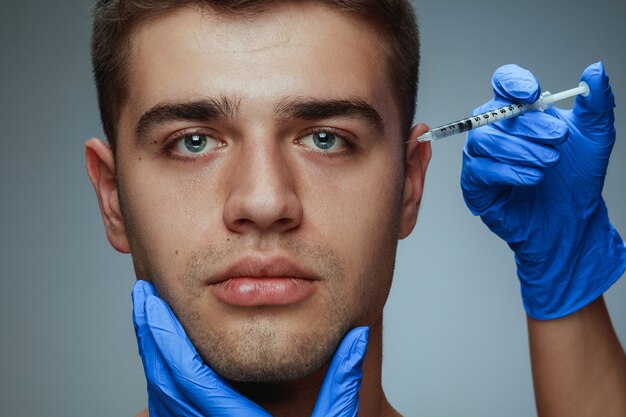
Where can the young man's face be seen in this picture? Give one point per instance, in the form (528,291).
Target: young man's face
(261,182)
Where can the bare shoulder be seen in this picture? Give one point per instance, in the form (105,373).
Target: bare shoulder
(143,413)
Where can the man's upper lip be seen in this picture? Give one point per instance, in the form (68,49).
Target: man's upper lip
(261,267)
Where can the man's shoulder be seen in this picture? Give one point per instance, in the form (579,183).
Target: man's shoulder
(143,413)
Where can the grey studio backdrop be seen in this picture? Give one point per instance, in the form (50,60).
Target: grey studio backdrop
(455,334)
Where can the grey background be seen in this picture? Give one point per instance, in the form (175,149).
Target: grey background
(455,341)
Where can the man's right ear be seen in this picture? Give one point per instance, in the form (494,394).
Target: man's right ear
(101,171)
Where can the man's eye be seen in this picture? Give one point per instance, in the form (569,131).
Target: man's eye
(196,144)
(325,141)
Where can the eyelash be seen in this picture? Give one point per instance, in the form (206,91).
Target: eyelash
(349,146)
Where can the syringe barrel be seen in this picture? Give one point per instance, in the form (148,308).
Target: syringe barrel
(450,129)
(478,120)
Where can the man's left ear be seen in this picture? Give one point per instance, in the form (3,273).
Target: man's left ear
(417,157)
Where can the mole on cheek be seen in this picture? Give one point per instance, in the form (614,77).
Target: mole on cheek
(176,251)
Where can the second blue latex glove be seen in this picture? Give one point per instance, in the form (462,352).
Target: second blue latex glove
(180,384)
(536,181)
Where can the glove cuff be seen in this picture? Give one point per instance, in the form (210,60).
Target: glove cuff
(573,281)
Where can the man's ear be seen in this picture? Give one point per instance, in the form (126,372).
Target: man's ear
(417,158)
(101,171)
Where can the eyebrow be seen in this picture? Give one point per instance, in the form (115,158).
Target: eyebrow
(226,108)
(222,108)
(303,108)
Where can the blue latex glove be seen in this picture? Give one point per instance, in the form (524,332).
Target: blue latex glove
(536,181)
(180,384)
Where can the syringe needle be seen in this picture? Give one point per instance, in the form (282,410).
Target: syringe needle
(545,100)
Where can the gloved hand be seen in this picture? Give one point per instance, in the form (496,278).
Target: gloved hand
(180,384)
(536,181)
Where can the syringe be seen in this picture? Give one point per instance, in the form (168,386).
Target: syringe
(545,100)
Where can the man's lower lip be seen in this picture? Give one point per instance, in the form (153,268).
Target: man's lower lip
(263,291)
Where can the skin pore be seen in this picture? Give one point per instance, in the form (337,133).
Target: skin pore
(264,139)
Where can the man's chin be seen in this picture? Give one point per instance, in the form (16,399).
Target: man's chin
(265,354)
(268,372)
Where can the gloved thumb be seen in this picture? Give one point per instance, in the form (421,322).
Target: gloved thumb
(339,395)
(594,113)
(515,84)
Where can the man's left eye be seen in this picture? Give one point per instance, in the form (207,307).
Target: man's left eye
(324,141)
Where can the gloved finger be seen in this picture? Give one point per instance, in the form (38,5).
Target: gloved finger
(164,400)
(536,126)
(479,172)
(484,180)
(511,149)
(170,335)
(156,408)
(159,389)
(201,385)
(515,84)
(594,113)
(339,395)
(592,125)
(141,291)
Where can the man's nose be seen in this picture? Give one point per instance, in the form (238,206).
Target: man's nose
(262,197)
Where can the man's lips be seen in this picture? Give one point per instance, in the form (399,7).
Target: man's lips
(260,291)
(262,281)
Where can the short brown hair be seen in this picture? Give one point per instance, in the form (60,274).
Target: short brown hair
(114,21)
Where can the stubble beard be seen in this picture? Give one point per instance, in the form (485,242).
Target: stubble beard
(259,349)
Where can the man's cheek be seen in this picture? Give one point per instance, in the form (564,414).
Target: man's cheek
(363,229)
(165,229)
(168,210)
(367,210)
(370,225)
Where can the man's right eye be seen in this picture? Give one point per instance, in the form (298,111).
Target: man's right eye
(194,144)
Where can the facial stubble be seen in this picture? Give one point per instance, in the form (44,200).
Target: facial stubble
(260,348)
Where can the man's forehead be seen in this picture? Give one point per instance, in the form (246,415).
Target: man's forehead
(236,31)
(290,50)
